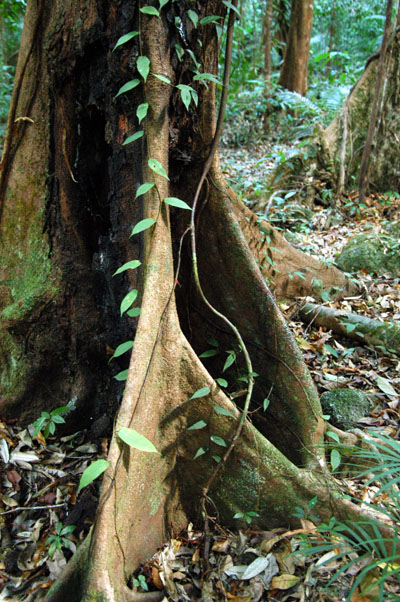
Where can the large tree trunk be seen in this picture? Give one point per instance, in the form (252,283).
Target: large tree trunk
(68,213)
(345,137)
(295,64)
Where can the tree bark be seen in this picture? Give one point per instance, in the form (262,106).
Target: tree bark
(376,104)
(345,137)
(69,209)
(294,70)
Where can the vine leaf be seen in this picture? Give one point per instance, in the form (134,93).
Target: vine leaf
(157,168)
(224,412)
(144,224)
(134,312)
(200,452)
(200,393)
(128,300)
(193,16)
(150,10)
(163,3)
(143,188)
(163,78)
(232,7)
(175,202)
(187,93)
(197,426)
(124,39)
(134,137)
(206,76)
(208,353)
(143,66)
(121,349)
(130,265)
(136,440)
(141,111)
(128,86)
(229,361)
(122,375)
(91,473)
(222,382)
(335,459)
(218,440)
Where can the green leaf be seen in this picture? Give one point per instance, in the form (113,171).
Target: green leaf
(231,7)
(222,382)
(157,168)
(187,93)
(164,79)
(128,300)
(193,16)
(143,66)
(91,473)
(141,111)
(333,436)
(144,224)
(216,458)
(224,412)
(239,515)
(206,76)
(200,452)
(229,361)
(179,51)
(123,375)
(149,10)
(197,426)
(209,353)
(218,440)
(210,19)
(331,350)
(266,403)
(136,440)
(385,386)
(128,86)
(133,313)
(143,188)
(335,459)
(200,393)
(175,202)
(163,3)
(58,419)
(132,138)
(130,265)
(121,349)
(124,39)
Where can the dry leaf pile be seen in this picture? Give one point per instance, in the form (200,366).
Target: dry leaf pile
(37,502)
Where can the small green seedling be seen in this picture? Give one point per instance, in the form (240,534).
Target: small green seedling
(248,516)
(59,539)
(141,582)
(48,420)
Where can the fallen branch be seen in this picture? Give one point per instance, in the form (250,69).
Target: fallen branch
(360,328)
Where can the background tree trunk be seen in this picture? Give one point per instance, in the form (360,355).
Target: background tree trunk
(295,64)
(383,174)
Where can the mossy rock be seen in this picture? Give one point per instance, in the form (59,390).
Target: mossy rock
(345,406)
(371,252)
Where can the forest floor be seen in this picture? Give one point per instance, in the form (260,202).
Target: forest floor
(43,518)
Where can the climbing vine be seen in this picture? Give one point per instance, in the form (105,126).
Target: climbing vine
(188,95)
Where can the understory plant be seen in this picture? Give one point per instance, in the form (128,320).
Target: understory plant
(360,548)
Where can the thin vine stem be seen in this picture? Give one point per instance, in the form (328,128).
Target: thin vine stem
(207,165)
